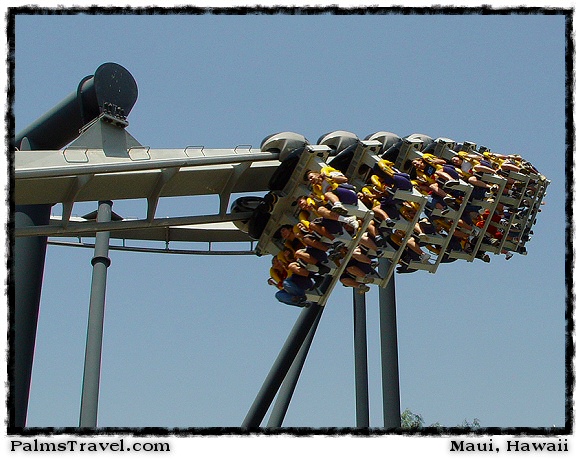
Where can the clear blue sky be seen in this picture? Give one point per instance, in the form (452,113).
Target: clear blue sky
(189,339)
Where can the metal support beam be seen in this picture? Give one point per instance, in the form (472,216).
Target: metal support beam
(88,227)
(29,255)
(113,85)
(360,360)
(61,168)
(389,351)
(288,386)
(281,366)
(93,351)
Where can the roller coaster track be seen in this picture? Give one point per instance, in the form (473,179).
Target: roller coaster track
(105,163)
(87,171)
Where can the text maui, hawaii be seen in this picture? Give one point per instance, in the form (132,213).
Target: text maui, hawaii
(513,445)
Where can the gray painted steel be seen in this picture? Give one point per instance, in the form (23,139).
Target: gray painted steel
(289,385)
(96,161)
(123,227)
(28,271)
(111,84)
(360,360)
(93,351)
(281,366)
(389,351)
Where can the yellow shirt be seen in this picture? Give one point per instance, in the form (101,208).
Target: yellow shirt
(386,166)
(328,184)
(371,196)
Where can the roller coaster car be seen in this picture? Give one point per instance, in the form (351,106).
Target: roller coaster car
(338,141)
(343,159)
(343,145)
(386,138)
(283,143)
(282,174)
(244,204)
(258,222)
(261,207)
(426,140)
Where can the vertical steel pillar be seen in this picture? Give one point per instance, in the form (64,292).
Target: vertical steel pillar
(28,273)
(289,385)
(281,366)
(93,351)
(389,350)
(360,360)
(111,84)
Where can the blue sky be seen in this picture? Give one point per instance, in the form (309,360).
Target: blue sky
(189,339)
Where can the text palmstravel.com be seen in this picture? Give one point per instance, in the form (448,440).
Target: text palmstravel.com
(84,446)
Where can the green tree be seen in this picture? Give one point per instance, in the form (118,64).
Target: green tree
(412,421)
(473,425)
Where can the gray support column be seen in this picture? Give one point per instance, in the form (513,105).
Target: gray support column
(361,360)
(111,84)
(281,366)
(389,351)
(289,385)
(28,272)
(92,371)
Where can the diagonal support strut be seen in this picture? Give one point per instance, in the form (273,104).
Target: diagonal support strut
(280,368)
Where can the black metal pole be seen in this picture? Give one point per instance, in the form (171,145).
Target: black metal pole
(289,385)
(389,350)
(281,366)
(111,85)
(28,273)
(361,360)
